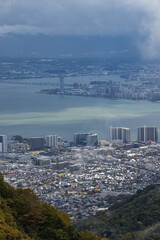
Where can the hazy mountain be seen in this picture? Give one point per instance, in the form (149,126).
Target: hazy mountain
(64,46)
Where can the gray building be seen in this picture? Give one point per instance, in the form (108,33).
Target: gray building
(92,140)
(60,166)
(41,162)
(3,143)
(80,139)
(120,134)
(146,134)
(36,143)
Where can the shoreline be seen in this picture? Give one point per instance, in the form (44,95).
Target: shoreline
(47,91)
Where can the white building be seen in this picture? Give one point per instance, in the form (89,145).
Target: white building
(120,134)
(3,143)
(52,141)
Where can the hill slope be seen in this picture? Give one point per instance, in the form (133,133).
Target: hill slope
(138,217)
(24,216)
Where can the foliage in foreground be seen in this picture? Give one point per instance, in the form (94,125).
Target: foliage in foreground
(136,218)
(24,216)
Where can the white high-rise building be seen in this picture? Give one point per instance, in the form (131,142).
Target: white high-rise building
(120,134)
(3,143)
(146,134)
(52,141)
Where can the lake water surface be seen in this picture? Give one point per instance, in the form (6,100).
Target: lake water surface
(24,112)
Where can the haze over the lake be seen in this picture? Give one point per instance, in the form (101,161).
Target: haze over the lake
(31,114)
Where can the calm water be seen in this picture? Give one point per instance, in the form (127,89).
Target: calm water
(24,112)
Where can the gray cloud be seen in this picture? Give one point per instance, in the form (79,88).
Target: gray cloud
(78,17)
(85,18)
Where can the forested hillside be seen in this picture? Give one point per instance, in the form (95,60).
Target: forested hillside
(24,216)
(136,218)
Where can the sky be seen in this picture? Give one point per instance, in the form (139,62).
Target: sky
(137,19)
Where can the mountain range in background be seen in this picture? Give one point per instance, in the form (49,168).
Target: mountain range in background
(122,48)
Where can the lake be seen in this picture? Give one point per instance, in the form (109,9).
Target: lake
(24,112)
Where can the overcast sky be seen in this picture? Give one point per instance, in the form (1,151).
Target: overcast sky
(140,18)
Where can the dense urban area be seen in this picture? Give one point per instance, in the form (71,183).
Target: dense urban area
(82,180)
(138,81)
(87,175)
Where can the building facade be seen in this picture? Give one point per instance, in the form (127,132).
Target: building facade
(92,140)
(36,143)
(52,141)
(146,134)
(41,162)
(120,134)
(80,139)
(3,143)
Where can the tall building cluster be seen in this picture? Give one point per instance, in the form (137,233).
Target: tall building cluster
(145,134)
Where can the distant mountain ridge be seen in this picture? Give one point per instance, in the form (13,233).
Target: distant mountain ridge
(37,46)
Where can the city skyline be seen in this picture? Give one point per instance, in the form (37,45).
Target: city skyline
(118,135)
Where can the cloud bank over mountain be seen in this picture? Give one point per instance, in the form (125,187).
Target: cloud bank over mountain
(76,17)
(104,18)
